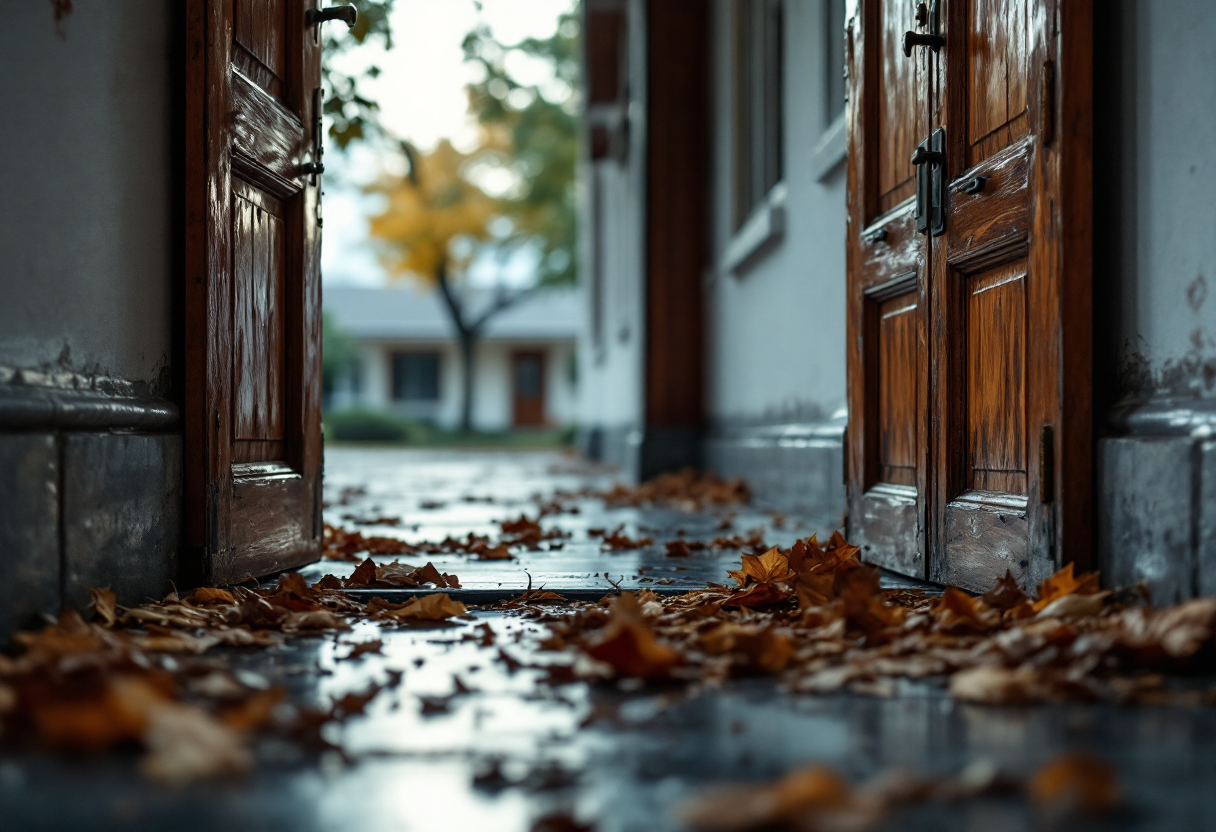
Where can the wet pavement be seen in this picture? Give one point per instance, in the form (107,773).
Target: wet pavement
(514,748)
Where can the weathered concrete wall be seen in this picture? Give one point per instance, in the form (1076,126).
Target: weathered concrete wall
(1155,293)
(86,172)
(1155,205)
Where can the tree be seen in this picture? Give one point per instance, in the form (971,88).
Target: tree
(438,219)
(542,123)
(435,223)
(352,115)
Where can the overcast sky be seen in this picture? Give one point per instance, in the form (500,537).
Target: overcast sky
(422,98)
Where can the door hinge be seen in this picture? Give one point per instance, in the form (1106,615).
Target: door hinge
(929,158)
(844,444)
(1047,103)
(1047,464)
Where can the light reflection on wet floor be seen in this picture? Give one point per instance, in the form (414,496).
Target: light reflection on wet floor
(621,758)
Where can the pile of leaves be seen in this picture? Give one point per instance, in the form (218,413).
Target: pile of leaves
(818,617)
(138,677)
(340,544)
(688,489)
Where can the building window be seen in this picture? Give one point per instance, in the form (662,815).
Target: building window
(757,67)
(416,376)
(833,49)
(830,148)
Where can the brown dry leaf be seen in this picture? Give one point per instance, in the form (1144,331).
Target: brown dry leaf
(105,605)
(628,645)
(758,595)
(863,604)
(185,743)
(404,575)
(800,795)
(363,575)
(495,553)
(1006,594)
(1064,583)
(771,567)
(436,607)
(211,595)
(1073,782)
(255,711)
(363,648)
(754,646)
(958,612)
(1069,607)
(314,620)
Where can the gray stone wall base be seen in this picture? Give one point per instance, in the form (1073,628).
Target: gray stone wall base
(797,472)
(29,529)
(1157,514)
(122,515)
(81,510)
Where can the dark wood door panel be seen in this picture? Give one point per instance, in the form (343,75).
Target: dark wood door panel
(987,225)
(998,77)
(259,32)
(897,331)
(268,141)
(259,323)
(996,379)
(901,105)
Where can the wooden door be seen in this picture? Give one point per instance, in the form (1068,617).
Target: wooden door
(887,448)
(1011,368)
(969,306)
(528,388)
(253,295)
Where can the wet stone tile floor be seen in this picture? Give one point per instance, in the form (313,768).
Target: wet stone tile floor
(511,749)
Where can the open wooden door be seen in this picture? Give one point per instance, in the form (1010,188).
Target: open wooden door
(1011,291)
(1001,211)
(253,290)
(888,260)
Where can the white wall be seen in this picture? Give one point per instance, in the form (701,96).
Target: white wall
(777,328)
(611,370)
(1155,207)
(85,169)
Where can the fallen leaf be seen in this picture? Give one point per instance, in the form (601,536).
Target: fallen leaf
(771,567)
(1064,583)
(628,645)
(436,607)
(185,743)
(211,595)
(799,795)
(105,605)
(1075,782)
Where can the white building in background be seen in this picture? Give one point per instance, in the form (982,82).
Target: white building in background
(409,358)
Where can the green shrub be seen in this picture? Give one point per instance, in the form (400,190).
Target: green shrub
(366,426)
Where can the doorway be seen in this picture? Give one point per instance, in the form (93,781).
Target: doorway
(528,389)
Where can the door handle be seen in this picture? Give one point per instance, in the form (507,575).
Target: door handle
(925,15)
(929,157)
(347,14)
(914,39)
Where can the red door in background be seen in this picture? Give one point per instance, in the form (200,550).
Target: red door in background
(528,388)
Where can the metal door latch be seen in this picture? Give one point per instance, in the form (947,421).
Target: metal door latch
(930,161)
(934,40)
